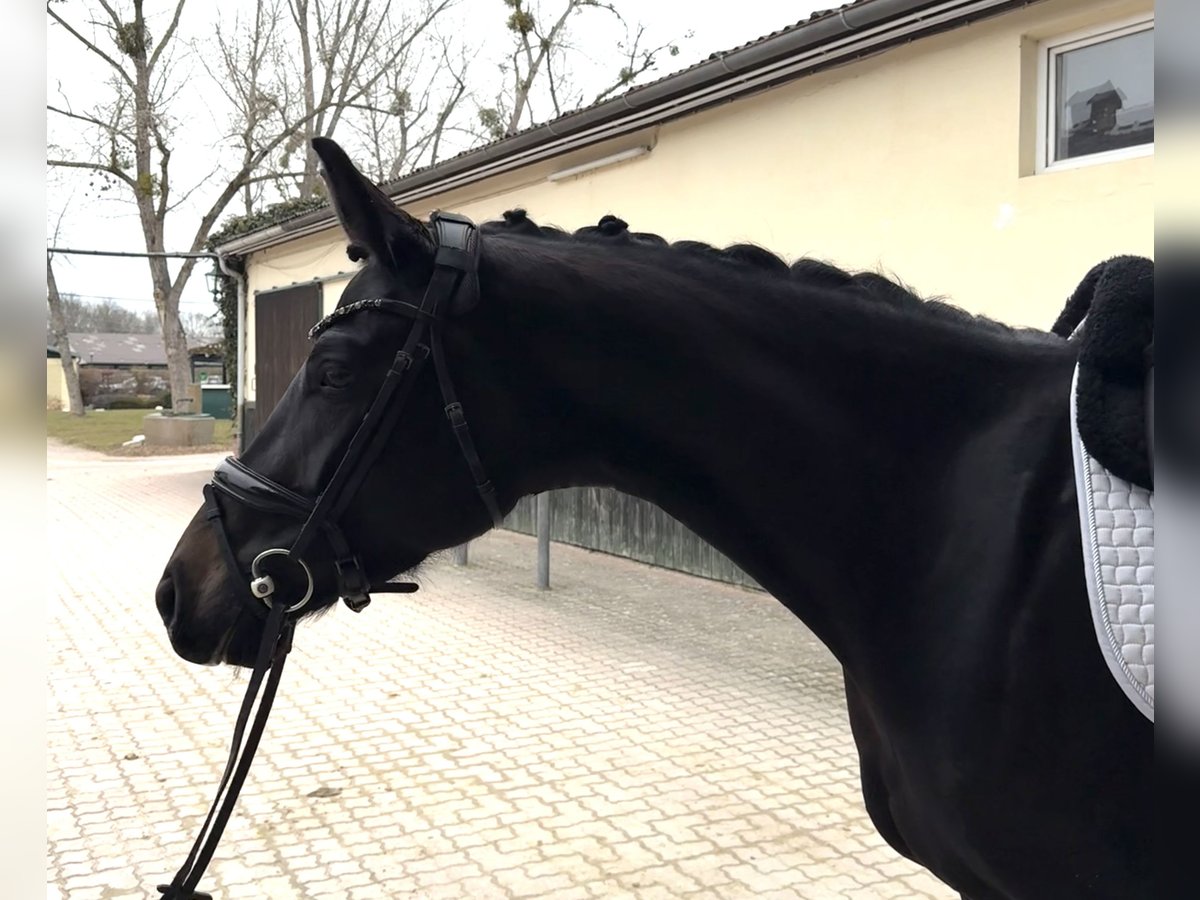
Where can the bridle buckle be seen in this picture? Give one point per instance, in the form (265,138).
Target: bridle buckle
(262,587)
(352,583)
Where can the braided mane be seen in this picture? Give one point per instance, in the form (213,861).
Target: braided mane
(614,230)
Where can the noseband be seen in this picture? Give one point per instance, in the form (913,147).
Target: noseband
(455,276)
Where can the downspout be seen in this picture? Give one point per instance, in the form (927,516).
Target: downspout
(239,414)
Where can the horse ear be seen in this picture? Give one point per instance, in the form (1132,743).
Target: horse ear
(368,216)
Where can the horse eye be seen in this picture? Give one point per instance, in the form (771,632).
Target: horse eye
(336,377)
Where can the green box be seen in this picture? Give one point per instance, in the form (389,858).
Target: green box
(216,400)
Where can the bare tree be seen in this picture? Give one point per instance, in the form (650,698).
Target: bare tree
(132,144)
(353,53)
(98,316)
(252,56)
(128,139)
(401,128)
(201,328)
(304,68)
(541,56)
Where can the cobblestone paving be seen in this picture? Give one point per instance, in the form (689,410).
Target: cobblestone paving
(630,733)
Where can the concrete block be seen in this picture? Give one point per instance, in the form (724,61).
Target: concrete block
(178,431)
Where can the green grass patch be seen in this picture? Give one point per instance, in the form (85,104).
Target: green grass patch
(106,430)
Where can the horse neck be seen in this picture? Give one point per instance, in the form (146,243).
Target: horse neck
(798,429)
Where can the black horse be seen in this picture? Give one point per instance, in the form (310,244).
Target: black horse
(895,471)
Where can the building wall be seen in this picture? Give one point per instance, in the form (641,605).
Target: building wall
(917,162)
(57,395)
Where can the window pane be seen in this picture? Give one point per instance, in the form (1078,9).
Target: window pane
(1105,96)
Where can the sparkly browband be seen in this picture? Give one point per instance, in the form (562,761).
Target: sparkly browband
(398,307)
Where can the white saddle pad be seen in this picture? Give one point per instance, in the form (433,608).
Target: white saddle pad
(1117,523)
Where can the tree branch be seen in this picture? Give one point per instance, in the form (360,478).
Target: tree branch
(96,167)
(164,174)
(387,62)
(166,38)
(188,193)
(112,14)
(630,72)
(271,176)
(104,56)
(107,126)
(440,128)
(250,162)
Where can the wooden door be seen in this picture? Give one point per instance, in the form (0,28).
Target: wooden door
(282,319)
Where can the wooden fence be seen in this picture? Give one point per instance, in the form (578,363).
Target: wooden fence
(612,522)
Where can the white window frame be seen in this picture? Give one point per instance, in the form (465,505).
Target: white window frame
(1047,115)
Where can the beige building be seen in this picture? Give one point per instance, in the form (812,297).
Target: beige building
(57,394)
(986,151)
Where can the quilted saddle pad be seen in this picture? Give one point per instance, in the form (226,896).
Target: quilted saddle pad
(1116,521)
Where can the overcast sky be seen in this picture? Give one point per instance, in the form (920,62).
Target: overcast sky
(97,221)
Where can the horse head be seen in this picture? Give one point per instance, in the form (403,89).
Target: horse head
(405,493)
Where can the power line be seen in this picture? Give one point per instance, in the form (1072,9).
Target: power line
(68,293)
(167,254)
(132,253)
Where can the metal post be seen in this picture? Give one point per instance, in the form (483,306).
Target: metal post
(460,554)
(543,540)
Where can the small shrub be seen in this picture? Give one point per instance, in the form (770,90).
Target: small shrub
(90,382)
(131,401)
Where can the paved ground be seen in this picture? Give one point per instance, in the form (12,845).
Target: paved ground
(630,733)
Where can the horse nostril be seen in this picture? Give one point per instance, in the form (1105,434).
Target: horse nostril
(164,599)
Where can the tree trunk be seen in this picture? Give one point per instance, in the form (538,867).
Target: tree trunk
(308,183)
(146,190)
(166,301)
(58,325)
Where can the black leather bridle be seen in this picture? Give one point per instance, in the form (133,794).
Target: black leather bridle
(454,279)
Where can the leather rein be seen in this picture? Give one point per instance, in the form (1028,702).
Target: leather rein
(455,277)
